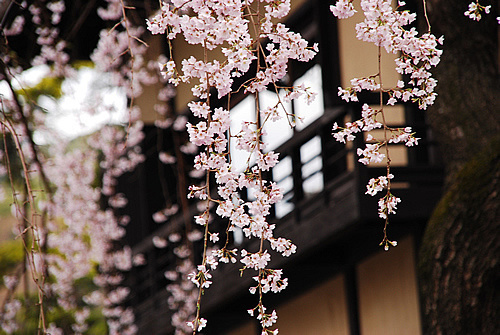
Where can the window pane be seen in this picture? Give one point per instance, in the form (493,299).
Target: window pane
(310,149)
(244,111)
(282,175)
(310,156)
(309,113)
(279,131)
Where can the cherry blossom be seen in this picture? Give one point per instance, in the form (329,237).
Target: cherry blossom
(386,27)
(475,10)
(343,9)
(226,26)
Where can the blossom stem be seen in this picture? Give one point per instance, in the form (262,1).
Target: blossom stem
(386,139)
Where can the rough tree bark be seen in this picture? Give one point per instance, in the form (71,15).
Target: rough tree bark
(458,263)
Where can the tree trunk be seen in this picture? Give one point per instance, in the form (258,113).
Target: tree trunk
(458,262)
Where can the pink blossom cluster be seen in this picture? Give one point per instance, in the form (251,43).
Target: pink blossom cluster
(269,280)
(357,85)
(371,154)
(404,135)
(198,324)
(16,27)
(53,48)
(165,117)
(343,9)
(266,319)
(88,232)
(384,26)
(121,154)
(367,123)
(112,11)
(225,26)
(475,9)
(183,294)
(284,45)
(201,278)
(164,214)
(255,260)
(224,22)
(376,185)
(215,23)
(84,235)
(128,72)
(387,205)
(8,321)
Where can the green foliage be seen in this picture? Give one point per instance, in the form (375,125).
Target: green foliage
(5,205)
(8,147)
(51,86)
(97,323)
(82,63)
(11,254)
(28,317)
